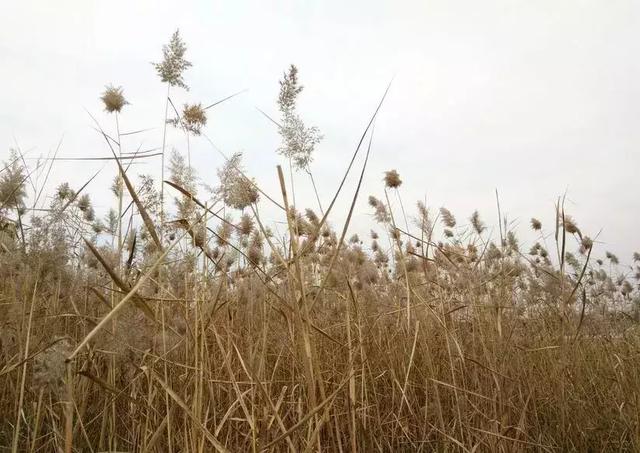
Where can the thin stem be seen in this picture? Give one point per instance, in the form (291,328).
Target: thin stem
(16,433)
(188,151)
(401,259)
(164,142)
(404,214)
(315,190)
(120,195)
(293,193)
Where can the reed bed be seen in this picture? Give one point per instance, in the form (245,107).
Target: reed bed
(181,322)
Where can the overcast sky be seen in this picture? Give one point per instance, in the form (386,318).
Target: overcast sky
(532,98)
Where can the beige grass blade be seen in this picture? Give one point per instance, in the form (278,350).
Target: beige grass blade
(141,209)
(137,300)
(309,414)
(208,434)
(193,198)
(123,302)
(143,212)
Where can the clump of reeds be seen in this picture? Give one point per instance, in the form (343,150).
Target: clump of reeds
(210,328)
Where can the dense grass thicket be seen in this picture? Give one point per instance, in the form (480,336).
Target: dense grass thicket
(181,322)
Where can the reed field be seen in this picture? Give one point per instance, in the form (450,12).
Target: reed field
(182,321)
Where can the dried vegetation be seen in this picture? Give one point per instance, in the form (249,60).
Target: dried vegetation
(193,327)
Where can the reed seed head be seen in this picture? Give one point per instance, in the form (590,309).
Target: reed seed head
(194,118)
(392,179)
(173,64)
(570,225)
(236,189)
(536,224)
(478,225)
(113,99)
(447,218)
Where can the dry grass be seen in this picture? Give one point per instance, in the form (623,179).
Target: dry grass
(236,340)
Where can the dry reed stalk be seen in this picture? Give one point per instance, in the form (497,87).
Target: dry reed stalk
(130,295)
(307,347)
(402,262)
(16,433)
(210,437)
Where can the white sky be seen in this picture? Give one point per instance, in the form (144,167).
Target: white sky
(533,98)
